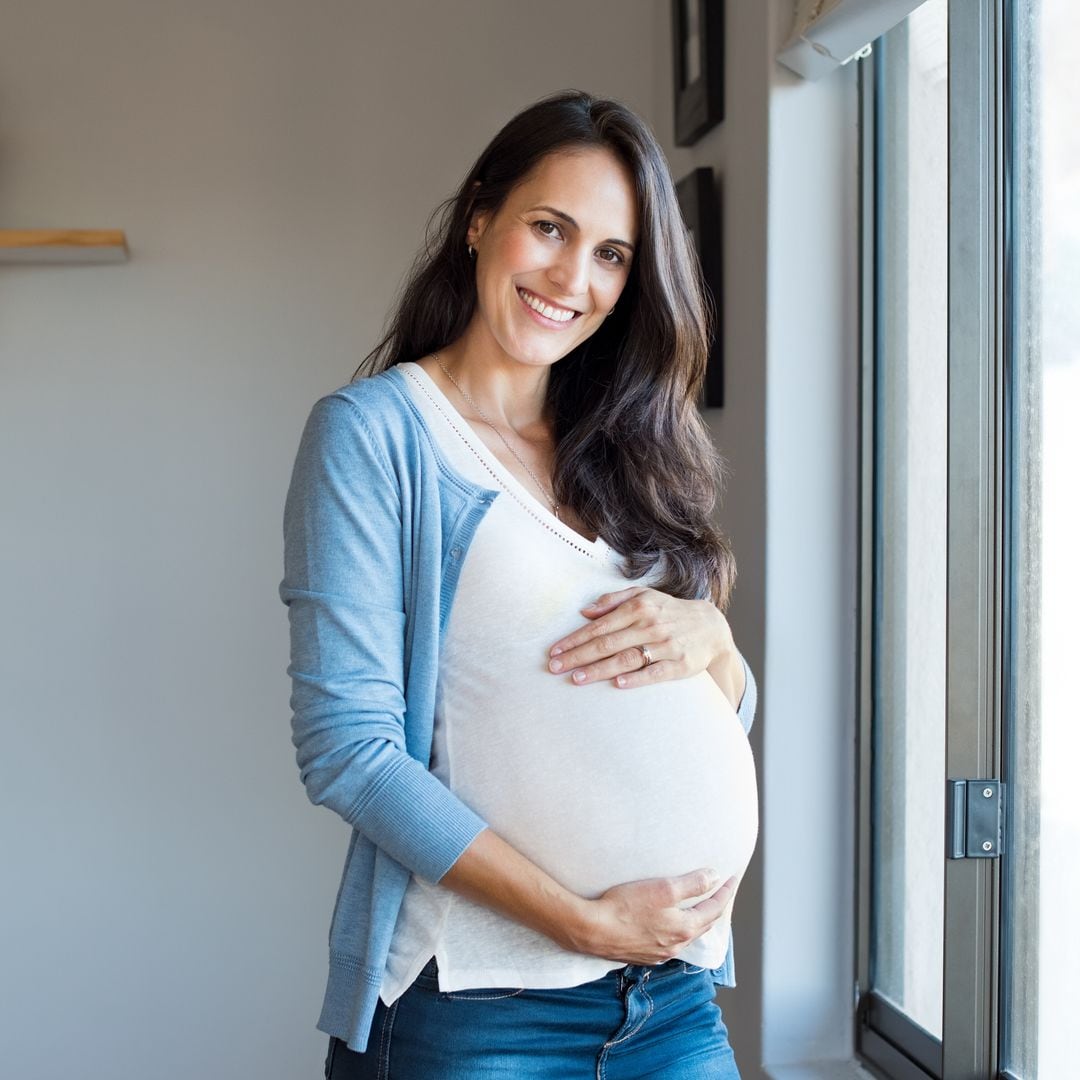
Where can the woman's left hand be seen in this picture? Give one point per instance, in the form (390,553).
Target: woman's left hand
(684,637)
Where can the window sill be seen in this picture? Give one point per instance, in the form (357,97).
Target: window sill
(819,1070)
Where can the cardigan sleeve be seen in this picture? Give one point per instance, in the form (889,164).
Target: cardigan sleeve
(748,705)
(345,593)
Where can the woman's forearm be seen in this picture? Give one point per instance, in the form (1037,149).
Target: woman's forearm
(494,873)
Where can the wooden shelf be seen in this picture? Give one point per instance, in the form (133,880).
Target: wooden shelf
(63,246)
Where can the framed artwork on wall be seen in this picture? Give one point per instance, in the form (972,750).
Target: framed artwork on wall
(698,195)
(697,42)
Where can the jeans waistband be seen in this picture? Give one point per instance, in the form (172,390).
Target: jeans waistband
(630,972)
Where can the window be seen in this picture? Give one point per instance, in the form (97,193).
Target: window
(906,566)
(971,439)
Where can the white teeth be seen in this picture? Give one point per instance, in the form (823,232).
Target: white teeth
(558,314)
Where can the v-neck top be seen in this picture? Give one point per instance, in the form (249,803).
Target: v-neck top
(594,784)
(449,417)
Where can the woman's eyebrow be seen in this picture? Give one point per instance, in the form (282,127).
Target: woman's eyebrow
(570,221)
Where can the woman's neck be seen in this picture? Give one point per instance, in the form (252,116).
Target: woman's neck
(511,394)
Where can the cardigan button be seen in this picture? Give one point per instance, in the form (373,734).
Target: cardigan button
(455,552)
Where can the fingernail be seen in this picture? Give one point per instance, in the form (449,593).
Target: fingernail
(556,651)
(555,665)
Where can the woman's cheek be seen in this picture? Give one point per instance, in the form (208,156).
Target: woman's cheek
(521,250)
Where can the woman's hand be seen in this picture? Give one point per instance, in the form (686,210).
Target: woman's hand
(684,637)
(641,922)
(636,922)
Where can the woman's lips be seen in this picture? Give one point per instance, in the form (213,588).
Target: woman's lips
(543,320)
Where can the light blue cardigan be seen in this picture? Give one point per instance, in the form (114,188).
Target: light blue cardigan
(376,528)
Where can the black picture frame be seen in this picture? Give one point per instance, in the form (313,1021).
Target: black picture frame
(699,200)
(697,42)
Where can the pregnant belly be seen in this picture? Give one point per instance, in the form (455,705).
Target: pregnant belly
(600,786)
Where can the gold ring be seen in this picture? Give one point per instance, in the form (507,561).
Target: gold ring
(646,654)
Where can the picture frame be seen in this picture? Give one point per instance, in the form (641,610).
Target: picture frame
(698,194)
(697,40)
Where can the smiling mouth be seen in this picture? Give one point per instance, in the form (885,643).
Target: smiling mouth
(548,313)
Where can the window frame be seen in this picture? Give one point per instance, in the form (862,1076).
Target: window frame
(978,559)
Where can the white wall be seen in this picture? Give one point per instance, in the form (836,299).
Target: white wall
(811,552)
(812,546)
(274,164)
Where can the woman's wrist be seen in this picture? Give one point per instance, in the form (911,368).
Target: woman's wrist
(579,924)
(568,919)
(729,674)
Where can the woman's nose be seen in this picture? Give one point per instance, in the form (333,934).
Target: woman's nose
(571,273)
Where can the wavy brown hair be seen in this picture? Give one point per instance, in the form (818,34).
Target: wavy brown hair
(633,455)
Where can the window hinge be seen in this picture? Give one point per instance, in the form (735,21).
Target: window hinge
(975,818)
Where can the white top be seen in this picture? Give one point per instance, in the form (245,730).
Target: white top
(594,784)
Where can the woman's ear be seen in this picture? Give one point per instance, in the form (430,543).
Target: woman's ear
(478,219)
(477,224)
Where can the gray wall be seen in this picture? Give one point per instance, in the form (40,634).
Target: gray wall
(169,886)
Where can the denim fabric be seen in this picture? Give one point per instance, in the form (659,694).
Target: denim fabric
(376,527)
(657,1022)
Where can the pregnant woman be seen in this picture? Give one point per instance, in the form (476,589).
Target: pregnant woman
(512,675)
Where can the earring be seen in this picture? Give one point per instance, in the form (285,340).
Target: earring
(611,312)
(472,252)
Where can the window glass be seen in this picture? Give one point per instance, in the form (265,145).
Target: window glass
(910,557)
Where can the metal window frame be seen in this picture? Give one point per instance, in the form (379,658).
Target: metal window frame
(1023,861)
(886,1040)
(976,529)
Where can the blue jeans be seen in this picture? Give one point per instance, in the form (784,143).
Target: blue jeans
(639,1021)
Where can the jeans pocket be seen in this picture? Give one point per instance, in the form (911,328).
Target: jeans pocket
(692,969)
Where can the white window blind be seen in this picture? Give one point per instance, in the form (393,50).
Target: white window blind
(828,33)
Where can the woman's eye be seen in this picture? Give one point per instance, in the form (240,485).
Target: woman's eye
(607,254)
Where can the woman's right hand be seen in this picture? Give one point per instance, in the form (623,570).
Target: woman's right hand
(637,922)
(641,922)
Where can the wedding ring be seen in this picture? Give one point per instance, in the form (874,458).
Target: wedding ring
(646,654)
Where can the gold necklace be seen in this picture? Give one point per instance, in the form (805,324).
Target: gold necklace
(554,504)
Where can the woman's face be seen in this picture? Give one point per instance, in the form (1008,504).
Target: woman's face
(563,240)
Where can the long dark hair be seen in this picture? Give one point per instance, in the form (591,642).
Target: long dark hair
(633,455)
